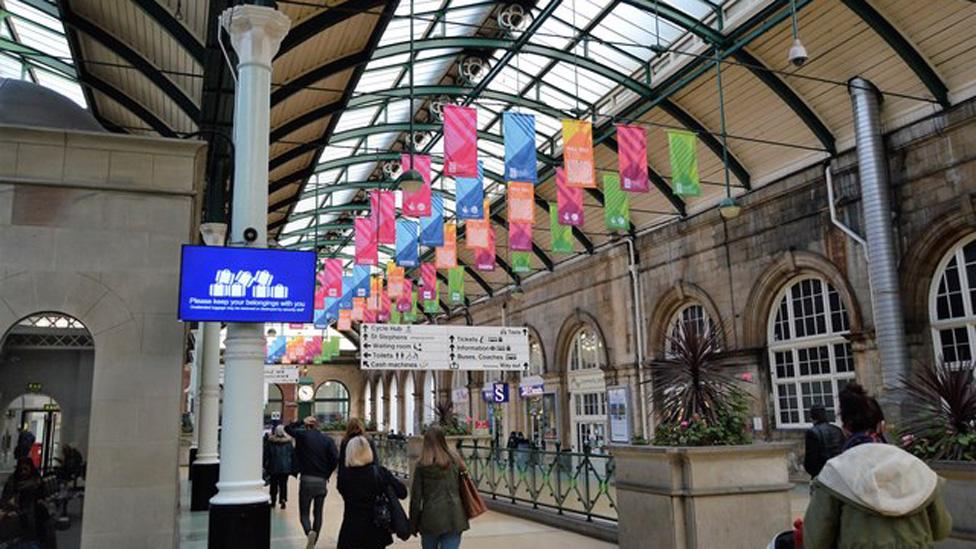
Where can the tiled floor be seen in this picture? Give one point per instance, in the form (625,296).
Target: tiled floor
(492,530)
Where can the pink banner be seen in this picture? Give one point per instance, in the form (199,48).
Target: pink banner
(632,157)
(366,248)
(319,298)
(358,307)
(369,317)
(417,204)
(484,258)
(460,141)
(383,211)
(313,348)
(569,201)
(331,277)
(520,237)
(405,301)
(428,277)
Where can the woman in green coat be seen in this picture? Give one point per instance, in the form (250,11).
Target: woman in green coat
(436,512)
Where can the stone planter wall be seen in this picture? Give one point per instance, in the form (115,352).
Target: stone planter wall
(960,498)
(733,497)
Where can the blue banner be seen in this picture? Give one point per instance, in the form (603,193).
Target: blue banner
(348,292)
(276,349)
(360,275)
(246,285)
(328,316)
(432,226)
(407,254)
(470,196)
(519,132)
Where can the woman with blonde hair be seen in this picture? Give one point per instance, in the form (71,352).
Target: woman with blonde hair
(361,480)
(436,511)
(355,428)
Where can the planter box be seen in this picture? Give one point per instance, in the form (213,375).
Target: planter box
(732,497)
(960,499)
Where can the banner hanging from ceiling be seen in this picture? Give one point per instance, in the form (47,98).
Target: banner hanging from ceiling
(407,253)
(366,247)
(616,204)
(394,279)
(460,141)
(477,233)
(569,201)
(383,211)
(578,153)
(484,258)
(345,320)
(358,307)
(445,256)
(521,261)
(519,132)
(428,278)
(417,203)
(360,273)
(521,202)
(375,289)
(432,226)
(383,312)
(348,292)
(455,286)
(520,236)
(561,235)
(632,158)
(469,195)
(404,302)
(684,163)
(332,277)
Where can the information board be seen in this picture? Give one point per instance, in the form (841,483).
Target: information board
(433,347)
(246,284)
(618,408)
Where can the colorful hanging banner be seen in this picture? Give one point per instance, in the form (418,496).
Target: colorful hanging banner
(569,201)
(407,253)
(360,273)
(366,247)
(383,313)
(432,306)
(345,320)
(394,279)
(319,298)
(369,317)
(414,312)
(520,236)
(632,158)
(477,234)
(417,204)
(520,161)
(332,277)
(561,235)
(469,195)
(395,316)
(578,153)
(521,261)
(403,302)
(432,226)
(684,163)
(521,202)
(358,307)
(460,141)
(445,256)
(455,286)
(484,258)
(428,278)
(375,289)
(383,211)
(348,292)
(616,204)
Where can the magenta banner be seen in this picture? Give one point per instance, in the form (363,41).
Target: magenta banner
(366,248)
(569,201)
(460,141)
(383,211)
(331,277)
(632,156)
(404,302)
(484,258)
(520,236)
(417,204)
(428,277)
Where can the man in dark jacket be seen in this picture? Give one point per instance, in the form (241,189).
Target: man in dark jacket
(823,441)
(316,457)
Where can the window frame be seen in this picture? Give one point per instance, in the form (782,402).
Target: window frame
(968,319)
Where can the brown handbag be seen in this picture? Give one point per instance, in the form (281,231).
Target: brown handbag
(473,504)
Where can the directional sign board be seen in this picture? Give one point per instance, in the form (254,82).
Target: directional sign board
(431,347)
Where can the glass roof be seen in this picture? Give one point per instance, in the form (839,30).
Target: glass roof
(33,47)
(613,34)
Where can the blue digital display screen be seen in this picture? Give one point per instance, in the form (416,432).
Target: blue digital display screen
(246,284)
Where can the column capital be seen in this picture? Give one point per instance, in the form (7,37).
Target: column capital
(255,32)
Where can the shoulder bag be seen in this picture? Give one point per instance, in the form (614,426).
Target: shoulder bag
(472,501)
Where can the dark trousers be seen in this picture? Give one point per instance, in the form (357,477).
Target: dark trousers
(311,490)
(279,485)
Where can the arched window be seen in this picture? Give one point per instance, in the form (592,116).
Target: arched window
(409,405)
(586,350)
(332,402)
(809,352)
(368,401)
(430,398)
(394,405)
(952,304)
(689,317)
(380,405)
(275,403)
(537,360)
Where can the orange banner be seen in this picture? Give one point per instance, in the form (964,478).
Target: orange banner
(521,207)
(345,320)
(394,280)
(358,308)
(446,256)
(578,153)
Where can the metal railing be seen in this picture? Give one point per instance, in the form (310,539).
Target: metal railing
(393,455)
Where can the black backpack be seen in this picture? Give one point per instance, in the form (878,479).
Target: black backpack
(388,514)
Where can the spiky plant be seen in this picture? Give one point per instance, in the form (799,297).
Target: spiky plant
(941,418)
(690,382)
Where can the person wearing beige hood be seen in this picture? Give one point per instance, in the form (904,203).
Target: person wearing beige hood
(874,495)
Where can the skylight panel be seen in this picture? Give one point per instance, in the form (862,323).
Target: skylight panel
(356,119)
(378,80)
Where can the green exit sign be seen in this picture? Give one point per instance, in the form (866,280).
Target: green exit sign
(51,407)
(33,387)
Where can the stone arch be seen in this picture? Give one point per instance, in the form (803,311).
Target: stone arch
(681,294)
(546,368)
(570,326)
(786,267)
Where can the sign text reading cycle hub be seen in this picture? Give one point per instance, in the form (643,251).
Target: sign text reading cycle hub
(428,347)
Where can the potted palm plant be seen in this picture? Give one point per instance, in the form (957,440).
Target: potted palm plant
(701,482)
(940,427)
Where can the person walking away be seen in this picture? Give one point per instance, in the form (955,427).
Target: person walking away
(873,494)
(436,511)
(823,441)
(279,463)
(25,441)
(355,428)
(316,457)
(361,481)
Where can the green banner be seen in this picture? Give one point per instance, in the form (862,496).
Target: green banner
(561,235)
(455,285)
(411,317)
(334,345)
(684,163)
(616,203)
(433,306)
(394,316)
(521,261)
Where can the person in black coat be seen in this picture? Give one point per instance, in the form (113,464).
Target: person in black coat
(279,463)
(823,441)
(360,482)
(316,457)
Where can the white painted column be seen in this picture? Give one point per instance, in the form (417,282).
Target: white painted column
(209,402)
(193,391)
(256,33)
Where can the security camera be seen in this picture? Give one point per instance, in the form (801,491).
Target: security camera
(250,234)
(798,54)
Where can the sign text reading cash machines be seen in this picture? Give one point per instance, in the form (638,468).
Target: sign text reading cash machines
(442,347)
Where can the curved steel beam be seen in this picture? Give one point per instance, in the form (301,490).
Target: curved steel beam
(323,20)
(130,104)
(330,68)
(174,28)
